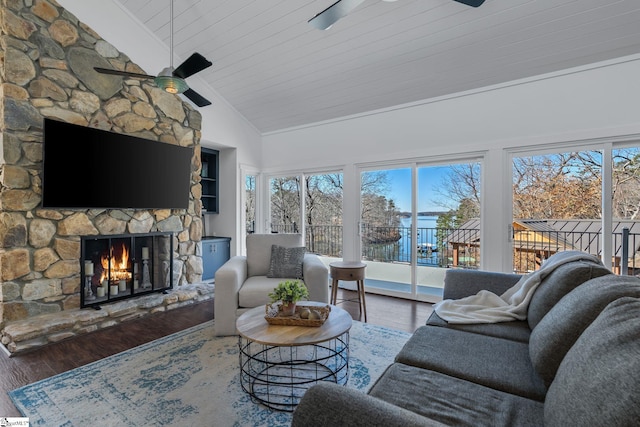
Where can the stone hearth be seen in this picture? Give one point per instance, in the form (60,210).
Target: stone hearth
(45,329)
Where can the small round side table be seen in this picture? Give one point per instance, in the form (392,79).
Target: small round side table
(349,271)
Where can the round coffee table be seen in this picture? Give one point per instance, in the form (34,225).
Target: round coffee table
(279,363)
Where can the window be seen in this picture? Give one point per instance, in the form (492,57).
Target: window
(250,203)
(625,207)
(323,213)
(285,204)
(557,205)
(319,218)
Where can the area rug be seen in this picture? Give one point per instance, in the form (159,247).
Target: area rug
(190,378)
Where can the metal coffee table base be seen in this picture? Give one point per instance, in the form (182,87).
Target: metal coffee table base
(278,376)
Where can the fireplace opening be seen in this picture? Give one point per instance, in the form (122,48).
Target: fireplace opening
(124,266)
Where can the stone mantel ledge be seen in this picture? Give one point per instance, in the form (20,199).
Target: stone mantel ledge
(37,331)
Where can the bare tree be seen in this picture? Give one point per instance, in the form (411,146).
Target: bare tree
(565,185)
(250,203)
(285,203)
(323,206)
(324,199)
(559,186)
(377,208)
(460,191)
(626,183)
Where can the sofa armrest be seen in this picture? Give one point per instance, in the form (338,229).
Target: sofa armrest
(459,283)
(316,278)
(228,281)
(329,404)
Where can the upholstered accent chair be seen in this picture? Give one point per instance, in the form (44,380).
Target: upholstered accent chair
(245,282)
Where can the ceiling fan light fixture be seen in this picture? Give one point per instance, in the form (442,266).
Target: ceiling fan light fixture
(341,8)
(170,83)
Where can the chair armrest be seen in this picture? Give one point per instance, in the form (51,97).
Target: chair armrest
(329,404)
(228,281)
(316,278)
(459,283)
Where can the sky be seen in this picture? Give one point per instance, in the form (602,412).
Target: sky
(429,179)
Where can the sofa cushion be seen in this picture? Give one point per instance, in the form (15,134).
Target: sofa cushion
(255,291)
(518,330)
(286,262)
(598,382)
(460,283)
(558,283)
(329,404)
(453,401)
(493,362)
(259,250)
(560,328)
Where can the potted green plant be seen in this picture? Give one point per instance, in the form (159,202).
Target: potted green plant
(289,292)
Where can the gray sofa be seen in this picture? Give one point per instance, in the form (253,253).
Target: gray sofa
(574,361)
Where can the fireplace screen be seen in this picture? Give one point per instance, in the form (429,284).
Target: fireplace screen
(124,266)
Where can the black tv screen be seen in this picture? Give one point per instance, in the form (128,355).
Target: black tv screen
(91,168)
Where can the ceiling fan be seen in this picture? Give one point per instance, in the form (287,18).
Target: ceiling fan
(169,79)
(325,19)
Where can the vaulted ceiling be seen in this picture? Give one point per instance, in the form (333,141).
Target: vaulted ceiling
(280,72)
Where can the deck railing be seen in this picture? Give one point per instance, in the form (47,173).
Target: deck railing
(438,247)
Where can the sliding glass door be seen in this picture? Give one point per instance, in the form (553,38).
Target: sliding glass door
(448,219)
(416,222)
(386,210)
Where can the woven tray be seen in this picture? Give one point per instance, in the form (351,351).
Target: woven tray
(274,315)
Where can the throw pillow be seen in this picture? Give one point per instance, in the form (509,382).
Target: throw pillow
(286,262)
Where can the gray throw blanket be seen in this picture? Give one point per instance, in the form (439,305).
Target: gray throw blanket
(487,307)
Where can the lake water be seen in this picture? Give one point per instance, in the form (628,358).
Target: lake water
(426,236)
(400,251)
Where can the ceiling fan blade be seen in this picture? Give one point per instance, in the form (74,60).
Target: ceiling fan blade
(194,64)
(123,73)
(197,99)
(472,3)
(333,13)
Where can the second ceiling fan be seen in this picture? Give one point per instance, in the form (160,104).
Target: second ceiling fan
(169,79)
(341,8)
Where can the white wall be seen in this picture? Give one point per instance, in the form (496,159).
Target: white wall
(600,101)
(223,127)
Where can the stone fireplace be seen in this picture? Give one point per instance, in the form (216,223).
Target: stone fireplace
(47,71)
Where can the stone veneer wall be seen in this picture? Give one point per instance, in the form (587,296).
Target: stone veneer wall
(46,70)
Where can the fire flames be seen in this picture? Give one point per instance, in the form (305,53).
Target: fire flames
(119,267)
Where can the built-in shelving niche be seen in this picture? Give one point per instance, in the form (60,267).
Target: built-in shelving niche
(209,180)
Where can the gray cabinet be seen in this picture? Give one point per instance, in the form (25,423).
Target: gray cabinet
(215,252)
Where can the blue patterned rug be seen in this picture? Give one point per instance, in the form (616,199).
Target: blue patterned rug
(190,378)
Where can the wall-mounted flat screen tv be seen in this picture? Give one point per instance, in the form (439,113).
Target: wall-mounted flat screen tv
(91,168)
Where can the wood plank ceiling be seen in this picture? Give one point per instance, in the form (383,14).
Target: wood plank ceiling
(279,72)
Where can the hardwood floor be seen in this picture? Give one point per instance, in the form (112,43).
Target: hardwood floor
(60,357)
